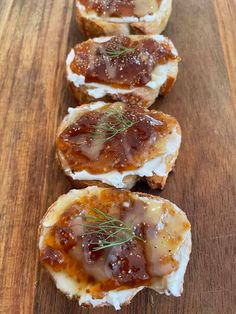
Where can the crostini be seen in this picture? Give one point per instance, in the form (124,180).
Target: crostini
(113,17)
(133,69)
(116,145)
(103,245)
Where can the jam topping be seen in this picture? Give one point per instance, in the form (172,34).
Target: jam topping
(130,263)
(89,246)
(52,257)
(121,8)
(120,61)
(65,237)
(114,137)
(113,8)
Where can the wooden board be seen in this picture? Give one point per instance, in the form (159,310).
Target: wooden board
(35,37)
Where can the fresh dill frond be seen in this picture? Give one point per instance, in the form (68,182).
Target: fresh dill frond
(112,123)
(118,50)
(109,230)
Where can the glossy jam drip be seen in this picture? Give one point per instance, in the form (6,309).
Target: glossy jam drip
(113,8)
(128,263)
(52,257)
(99,142)
(120,62)
(121,8)
(69,247)
(65,237)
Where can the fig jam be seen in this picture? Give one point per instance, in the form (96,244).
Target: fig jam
(128,263)
(88,144)
(91,255)
(120,8)
(52,257)
(120,61)
(114,8)
(65,237)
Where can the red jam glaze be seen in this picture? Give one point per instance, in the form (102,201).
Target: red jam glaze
(91,256)
(126,150)
(65,237)
(113,8)
(121,8)
(52,257)
(128,263)
(121,61)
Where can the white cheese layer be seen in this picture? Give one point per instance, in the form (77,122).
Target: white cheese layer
(156,16)
(114,297)
(96,90)
(172,285)
(155,166)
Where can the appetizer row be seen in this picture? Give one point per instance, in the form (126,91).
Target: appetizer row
(103,244)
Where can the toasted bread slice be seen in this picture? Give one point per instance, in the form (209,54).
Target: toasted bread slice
(99,18)
(117,145)
(134,69)
(152,250)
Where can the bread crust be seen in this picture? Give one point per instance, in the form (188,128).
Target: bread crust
(154,182)
(95,26)
(143,96)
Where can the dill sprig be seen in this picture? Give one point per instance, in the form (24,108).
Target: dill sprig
(118,50)
(112,123)
(111,230)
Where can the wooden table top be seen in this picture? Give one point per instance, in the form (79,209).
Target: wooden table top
(35,37)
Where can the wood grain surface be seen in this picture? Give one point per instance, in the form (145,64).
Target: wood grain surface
(35,37)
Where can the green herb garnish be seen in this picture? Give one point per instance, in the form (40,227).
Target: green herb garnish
(118,50)
(112,123)
(111,230)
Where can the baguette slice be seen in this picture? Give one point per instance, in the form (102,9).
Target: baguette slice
(151,18)
(155,258)
(94,149)
(134,69)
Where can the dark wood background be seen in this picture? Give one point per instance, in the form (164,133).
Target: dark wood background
(35,37)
